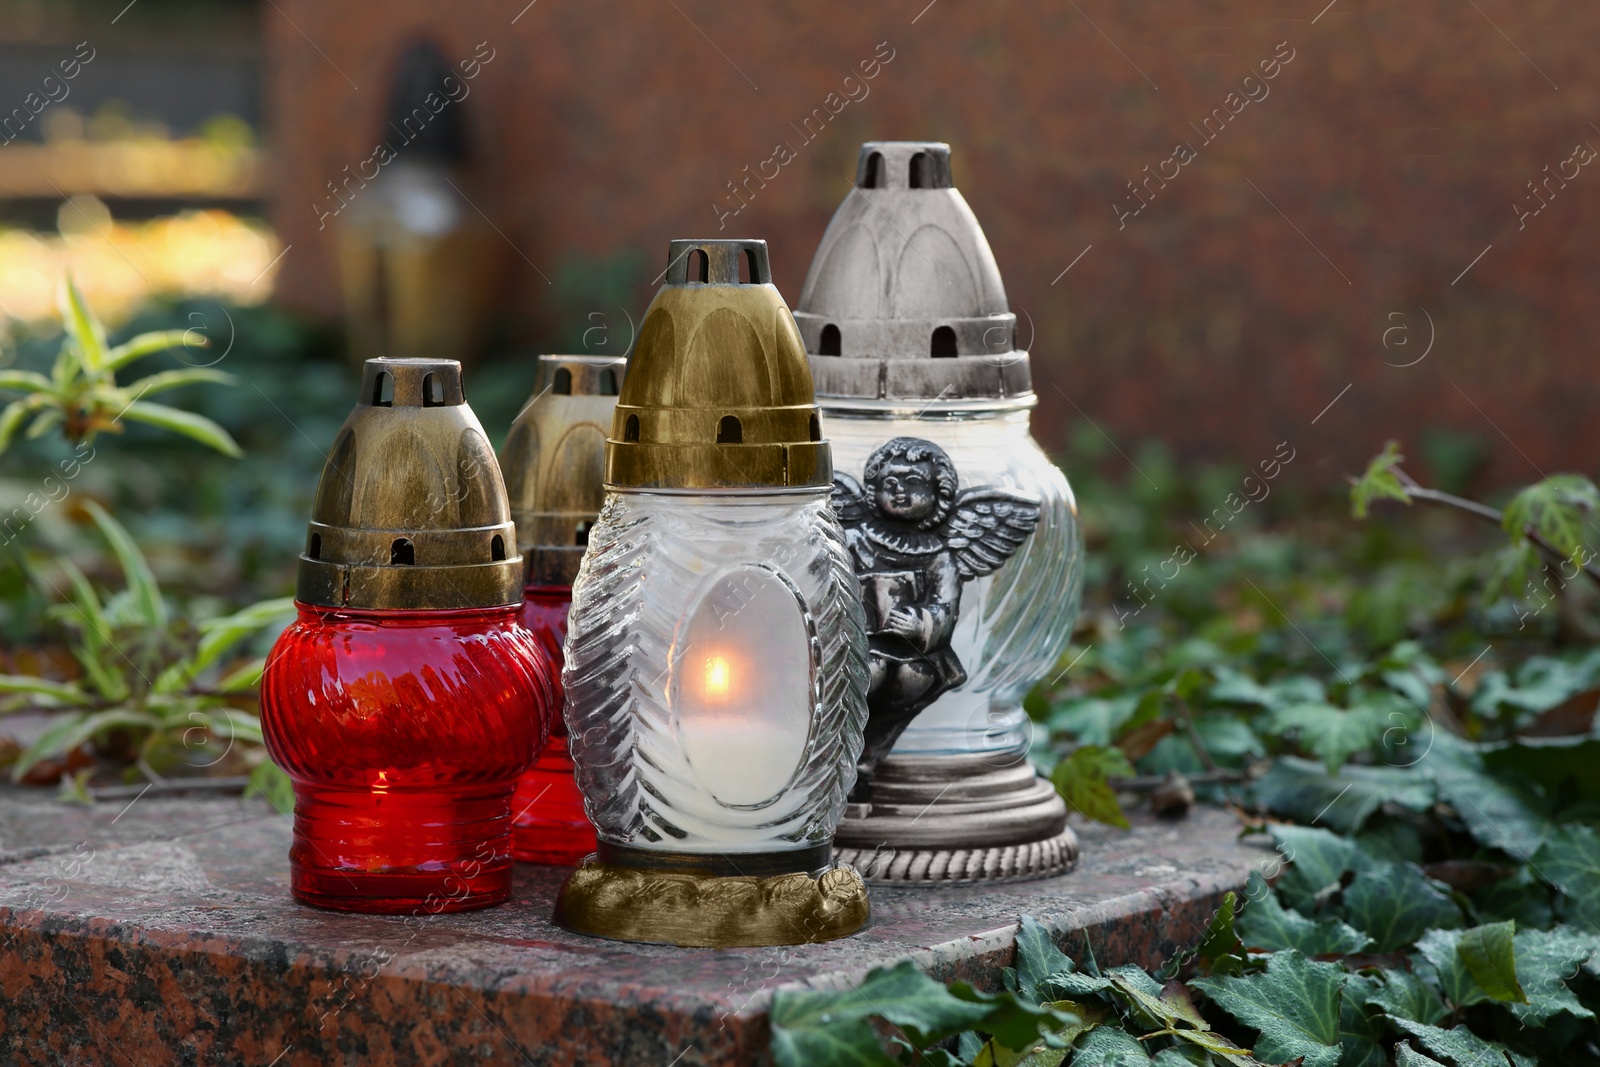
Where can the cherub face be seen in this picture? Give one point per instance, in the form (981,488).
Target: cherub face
(906,491)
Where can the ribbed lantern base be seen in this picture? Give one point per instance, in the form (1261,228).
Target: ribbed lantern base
(957,820)
(696,909)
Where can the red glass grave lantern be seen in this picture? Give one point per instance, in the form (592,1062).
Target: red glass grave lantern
(408,697)
(554,463)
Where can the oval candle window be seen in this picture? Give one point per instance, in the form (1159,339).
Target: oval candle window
(742,686)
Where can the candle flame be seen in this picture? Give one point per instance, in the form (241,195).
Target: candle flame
(719,678)
(381,786)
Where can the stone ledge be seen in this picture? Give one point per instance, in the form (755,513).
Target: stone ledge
(162,933)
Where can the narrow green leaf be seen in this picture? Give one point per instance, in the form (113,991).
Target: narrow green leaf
(25,381)
(149,343)
(174,379)
(11,421)
(135,569)
(1379,481)
(245,678)
(82,326)
(65,693)
(197,427)
(46,744)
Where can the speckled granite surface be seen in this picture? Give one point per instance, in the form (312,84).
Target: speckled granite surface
(163,933)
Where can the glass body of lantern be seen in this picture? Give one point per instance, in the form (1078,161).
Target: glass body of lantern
(548,821)
(1015,623)
(404,732)
(715,675)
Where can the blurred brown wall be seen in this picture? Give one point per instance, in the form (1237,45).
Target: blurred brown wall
(1225,317)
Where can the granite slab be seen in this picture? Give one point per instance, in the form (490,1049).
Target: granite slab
(161,932)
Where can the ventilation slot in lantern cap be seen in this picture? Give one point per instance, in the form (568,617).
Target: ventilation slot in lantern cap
(717,262)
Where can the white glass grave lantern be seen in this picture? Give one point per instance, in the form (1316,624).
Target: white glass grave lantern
(716,664)
(963,533)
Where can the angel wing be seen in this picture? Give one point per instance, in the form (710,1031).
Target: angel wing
(987,527)
(849,501)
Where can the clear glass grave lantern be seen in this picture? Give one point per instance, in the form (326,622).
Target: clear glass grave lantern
(407,697)
(554,464)
(715,657)
(963,533)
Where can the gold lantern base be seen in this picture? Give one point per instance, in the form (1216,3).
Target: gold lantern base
(671,905)
(957,820)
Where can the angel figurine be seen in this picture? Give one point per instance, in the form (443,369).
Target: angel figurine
(914,539)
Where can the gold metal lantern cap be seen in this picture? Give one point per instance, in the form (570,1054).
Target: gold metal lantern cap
(718,394)
(554,462)
(411,512)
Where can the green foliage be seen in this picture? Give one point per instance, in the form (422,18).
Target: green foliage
(81,394)
(1556,510)
(1082,780)
(1379,481)
(165,696)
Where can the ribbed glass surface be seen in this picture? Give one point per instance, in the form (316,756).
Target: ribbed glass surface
(715,671)
(1015,623)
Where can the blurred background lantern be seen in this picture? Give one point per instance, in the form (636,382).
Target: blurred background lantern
(554,463)
(963,533)
(416,262)
(716,661)
(408,696)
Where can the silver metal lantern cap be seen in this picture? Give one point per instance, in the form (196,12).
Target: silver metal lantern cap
(904,301)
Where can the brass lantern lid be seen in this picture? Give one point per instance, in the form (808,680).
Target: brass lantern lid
(411,511)
(554,461)
(718,394)
(903,301)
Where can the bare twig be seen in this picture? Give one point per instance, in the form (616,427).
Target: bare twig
(1145,783)
(1194,735)
(171,785)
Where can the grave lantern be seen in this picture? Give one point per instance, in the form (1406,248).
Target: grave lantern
(554,464)
(963,534)
(407,697)
(716,664)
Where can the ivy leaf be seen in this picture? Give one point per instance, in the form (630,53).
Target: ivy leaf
(1379,482)
(1555,509)
(1460,1045)
(1037,957)
(1302,790)
(832,1027)
(1395,903)
(1406,1056)
(1546,960)
(1497,813)
(1317,860)
(1168,1005)
(1081,779)
(1219,1046)
(1294,1004)
(1441,963)
(1330,733)
(1488,952)
(1108,1046)
(1220,948)
(1569,859)
(1266,924)
(1359,1032)
(1405,994)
